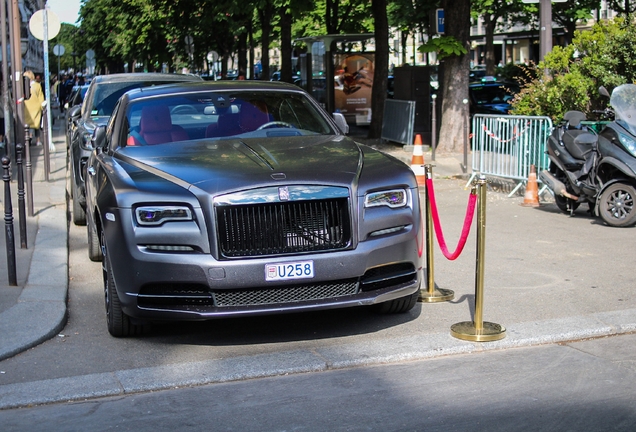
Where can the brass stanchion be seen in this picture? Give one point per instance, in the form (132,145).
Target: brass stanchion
(432,294)
(478,330)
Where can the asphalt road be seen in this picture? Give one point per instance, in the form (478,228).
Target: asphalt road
(583,386)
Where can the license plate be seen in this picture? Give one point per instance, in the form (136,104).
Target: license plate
(289,271)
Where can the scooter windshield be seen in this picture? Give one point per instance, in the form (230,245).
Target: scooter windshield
(623,101)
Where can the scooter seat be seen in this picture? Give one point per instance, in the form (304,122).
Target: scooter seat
(568,139)
(580,144)
(574,118)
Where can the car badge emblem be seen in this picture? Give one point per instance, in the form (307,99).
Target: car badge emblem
(279,176)
(283,193)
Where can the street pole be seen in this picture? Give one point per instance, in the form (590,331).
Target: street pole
(47,90)
(16,63)
(5,73)
(545,27)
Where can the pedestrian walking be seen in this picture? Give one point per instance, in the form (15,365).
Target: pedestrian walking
(33,107)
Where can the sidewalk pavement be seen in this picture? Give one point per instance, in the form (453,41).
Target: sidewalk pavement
(35,309)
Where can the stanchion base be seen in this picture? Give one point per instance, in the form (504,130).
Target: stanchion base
(439,295)
(466,331)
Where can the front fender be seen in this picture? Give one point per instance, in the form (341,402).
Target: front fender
(629,170)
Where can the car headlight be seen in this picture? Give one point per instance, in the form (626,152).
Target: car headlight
(392,198)
(156,215)
(628,143)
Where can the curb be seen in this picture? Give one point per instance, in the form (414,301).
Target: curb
(410,348)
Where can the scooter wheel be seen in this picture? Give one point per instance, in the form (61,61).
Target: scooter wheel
(616,205)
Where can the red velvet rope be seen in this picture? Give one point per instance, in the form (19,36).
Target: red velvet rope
(468,220)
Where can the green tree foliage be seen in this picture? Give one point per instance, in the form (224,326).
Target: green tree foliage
(497,14)
(444,46)
(569,77)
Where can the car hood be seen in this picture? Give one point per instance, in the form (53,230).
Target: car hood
(216,166)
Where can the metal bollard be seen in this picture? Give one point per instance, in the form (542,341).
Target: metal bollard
(29,171)
(432,294)
(8,223)
(478,330)
(19,148)
(434,128)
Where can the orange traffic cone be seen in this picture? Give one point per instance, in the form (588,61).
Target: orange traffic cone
(531,198)
(417,162)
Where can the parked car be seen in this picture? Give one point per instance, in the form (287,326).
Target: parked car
(73,109)
(100,99)
(220,199)
(490,96)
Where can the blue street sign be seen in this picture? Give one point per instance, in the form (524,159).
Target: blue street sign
(439,20)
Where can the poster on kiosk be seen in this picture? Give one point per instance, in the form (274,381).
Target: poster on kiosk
(353,83)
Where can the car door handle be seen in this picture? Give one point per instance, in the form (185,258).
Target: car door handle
(91,171)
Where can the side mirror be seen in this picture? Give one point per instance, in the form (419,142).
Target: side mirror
(74,112)
(603,91)
(341,122)
(98,141)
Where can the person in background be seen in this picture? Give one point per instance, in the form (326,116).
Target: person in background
(33,106)
(61,92)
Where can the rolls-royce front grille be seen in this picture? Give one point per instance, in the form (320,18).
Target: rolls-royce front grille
(283,228)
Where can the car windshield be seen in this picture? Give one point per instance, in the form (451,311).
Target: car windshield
(492,94)
(218,115)
(107,94)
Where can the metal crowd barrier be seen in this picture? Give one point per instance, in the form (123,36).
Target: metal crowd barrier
(397,124)
(507,145)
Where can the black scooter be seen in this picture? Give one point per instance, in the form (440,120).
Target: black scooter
(597,168)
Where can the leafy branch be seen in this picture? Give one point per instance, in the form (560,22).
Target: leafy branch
(444,46)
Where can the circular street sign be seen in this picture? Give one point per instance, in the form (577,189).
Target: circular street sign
(36,24)
(213,56)
(90,54)
(59,50)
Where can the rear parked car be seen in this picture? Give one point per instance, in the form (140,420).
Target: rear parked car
(490,96)
(103,93)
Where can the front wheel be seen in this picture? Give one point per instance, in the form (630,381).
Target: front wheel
(94,247)
(79,214)
(119,324)
(616,205)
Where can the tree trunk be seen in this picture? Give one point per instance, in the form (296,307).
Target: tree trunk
(242,55)
(454,84)
(285,44)
(489,23)
(381,67)
(265,15)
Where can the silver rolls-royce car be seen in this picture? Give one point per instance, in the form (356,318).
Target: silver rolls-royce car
(218,199)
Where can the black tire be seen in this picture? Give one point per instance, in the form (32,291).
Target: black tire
(566,205)
(119,324)
(400,305)
(616,205)
(79,214)
(94,247)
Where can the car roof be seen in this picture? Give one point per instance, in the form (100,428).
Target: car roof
(145,76)
(203,86)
